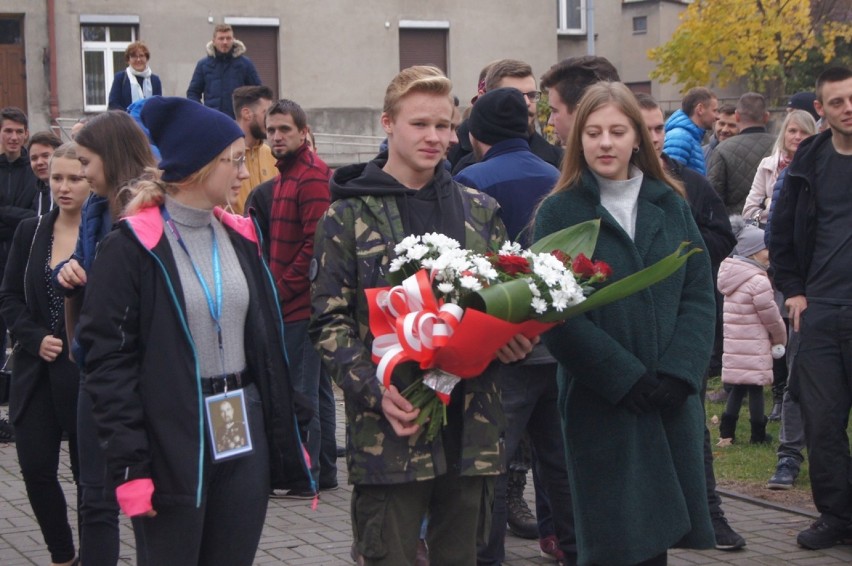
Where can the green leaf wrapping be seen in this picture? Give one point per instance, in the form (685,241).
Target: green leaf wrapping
(575,240)
(627,286)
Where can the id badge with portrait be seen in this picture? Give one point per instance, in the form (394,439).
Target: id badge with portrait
(227,421)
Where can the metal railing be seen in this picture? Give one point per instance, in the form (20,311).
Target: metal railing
(342,149)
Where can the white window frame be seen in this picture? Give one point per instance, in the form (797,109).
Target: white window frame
(637,19)
(107,49)
(562,19)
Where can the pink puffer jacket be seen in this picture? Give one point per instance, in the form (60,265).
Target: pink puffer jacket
(752,323)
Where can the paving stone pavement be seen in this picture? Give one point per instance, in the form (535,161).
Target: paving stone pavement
(295,535)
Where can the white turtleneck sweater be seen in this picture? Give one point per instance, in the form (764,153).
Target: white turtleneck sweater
(621,198)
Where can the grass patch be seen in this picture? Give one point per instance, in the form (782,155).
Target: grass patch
(743,462)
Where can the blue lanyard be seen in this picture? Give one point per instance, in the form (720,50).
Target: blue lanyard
(213,307)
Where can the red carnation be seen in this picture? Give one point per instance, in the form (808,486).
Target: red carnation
(583,267)
(513,265)
(602,270)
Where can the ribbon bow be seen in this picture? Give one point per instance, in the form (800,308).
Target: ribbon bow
(409,324)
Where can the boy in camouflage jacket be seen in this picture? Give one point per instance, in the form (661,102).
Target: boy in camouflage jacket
(399,476)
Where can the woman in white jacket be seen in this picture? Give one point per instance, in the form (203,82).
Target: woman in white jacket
(797,126)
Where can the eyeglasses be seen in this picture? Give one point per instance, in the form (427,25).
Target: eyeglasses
(238,162)
(533,95)
(138,56)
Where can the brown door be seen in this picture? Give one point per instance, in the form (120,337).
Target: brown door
(423,47)
(262,48)
(13,74)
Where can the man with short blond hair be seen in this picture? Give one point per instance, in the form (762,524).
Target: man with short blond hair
(399,475)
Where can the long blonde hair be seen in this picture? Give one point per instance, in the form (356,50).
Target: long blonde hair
(620,97)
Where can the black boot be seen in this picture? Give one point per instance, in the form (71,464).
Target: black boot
(758,431)
(519,518)
(728,427)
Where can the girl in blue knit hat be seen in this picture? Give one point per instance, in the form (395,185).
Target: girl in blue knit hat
(185,357)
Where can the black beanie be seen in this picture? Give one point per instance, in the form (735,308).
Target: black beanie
(188,134)
(498,115)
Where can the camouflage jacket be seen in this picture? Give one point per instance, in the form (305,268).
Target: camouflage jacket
(353,248)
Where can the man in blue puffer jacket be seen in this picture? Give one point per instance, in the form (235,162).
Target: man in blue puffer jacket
(224,69)
(685,128)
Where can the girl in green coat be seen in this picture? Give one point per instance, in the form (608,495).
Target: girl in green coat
(630,372)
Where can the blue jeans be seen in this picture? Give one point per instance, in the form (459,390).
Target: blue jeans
(792,436)
(305,368)
(529,394)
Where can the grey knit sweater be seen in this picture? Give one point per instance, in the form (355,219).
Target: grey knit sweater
(194,224)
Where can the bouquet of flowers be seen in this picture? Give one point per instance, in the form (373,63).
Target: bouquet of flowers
(451,308)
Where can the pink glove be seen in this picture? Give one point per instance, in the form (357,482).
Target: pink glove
(134,497)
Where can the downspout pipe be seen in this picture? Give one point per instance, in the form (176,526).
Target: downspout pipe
(53,87)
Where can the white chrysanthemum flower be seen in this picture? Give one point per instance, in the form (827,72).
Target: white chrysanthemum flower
(469,282)
(397,263)
(417,251)
(484,268)
(534,289)
(510,248)
(539,305)
(446,288)
(440,242)
(406,243)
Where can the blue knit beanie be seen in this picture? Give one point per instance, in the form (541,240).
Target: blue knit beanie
(189,134)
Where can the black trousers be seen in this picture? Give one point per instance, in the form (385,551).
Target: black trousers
(823,384)
(225,529)
(38,434)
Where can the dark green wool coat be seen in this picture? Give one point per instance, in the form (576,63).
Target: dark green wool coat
(638,480)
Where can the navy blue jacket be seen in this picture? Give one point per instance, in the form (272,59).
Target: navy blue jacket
(119,95)
(517,179)
(217,76)
(776,193)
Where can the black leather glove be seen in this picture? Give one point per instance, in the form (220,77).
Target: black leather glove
(638,398)
(671,393)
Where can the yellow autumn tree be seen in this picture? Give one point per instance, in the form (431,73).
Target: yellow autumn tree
(722,41)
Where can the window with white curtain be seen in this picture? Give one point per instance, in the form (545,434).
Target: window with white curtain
(103,56)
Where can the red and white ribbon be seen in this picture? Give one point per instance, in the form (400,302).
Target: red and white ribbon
(422,325)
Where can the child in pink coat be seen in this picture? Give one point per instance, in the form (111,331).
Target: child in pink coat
(754,332)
